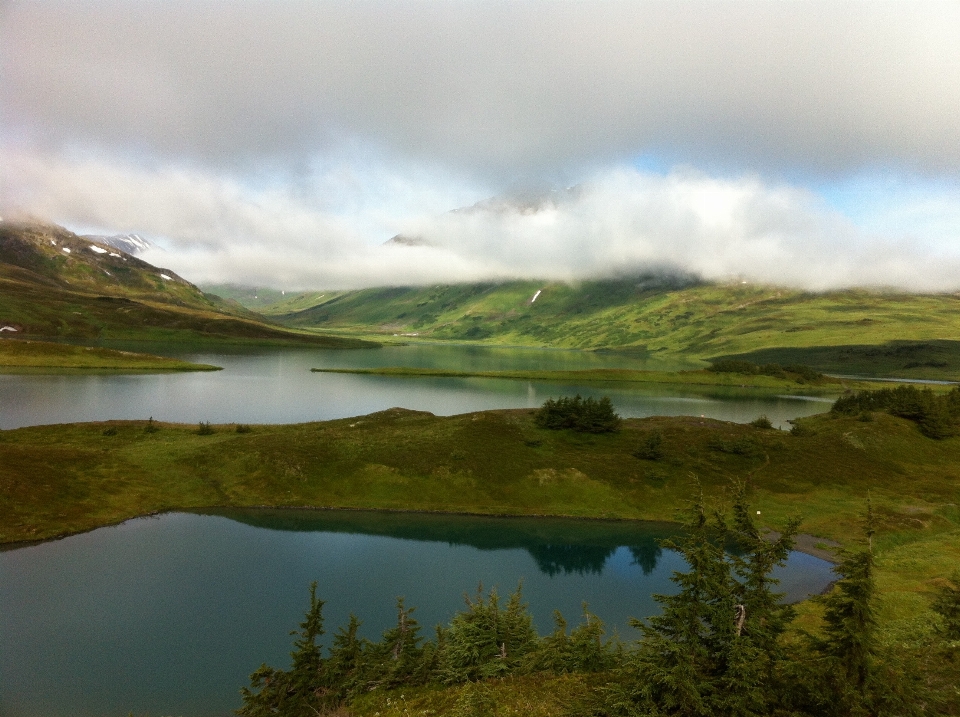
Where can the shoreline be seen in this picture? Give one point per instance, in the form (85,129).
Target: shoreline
(803,543)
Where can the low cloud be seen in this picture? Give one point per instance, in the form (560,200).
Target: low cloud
(619,222)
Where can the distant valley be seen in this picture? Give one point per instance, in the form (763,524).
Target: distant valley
(855,331)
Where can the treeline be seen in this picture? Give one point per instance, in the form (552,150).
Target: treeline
(718,646)
(937,415)
(797,372)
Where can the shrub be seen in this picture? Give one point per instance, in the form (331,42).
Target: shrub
(151,427)
(584,416)
(205,429)
(936,415)
(947,604)
(244,428)
(652,448)
(761,422)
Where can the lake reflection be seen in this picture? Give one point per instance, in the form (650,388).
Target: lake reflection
(169,615)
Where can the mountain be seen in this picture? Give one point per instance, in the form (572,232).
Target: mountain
(661,315)
(524,201)
(54,283)
(132,244)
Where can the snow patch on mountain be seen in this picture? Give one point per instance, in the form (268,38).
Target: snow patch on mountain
(130,243)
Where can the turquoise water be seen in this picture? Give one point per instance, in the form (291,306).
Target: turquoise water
(169,615)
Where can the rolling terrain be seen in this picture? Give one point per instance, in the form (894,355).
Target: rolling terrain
(56,284)
(855,331)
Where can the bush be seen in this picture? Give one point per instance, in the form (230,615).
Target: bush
(761,422)
(584,416)
(205,429)
(652,448)
(947,604)
(936,415)
(151,427)
(244,428)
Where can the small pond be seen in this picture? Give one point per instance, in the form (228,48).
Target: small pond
(169,615)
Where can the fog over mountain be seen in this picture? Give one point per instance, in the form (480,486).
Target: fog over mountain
(283,143)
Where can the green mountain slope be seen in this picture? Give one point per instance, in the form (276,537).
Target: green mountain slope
(662,315)
(56,284)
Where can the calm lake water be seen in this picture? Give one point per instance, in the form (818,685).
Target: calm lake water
(276,386)
(169,615)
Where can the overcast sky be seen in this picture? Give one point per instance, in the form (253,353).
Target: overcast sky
(812,144)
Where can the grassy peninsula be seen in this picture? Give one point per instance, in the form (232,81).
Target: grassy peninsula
(786,384)
(69,478)
(19,356)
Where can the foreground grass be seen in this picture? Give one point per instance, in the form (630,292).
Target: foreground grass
(825,385)
(18,356)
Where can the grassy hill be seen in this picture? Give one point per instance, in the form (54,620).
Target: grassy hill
(56,284)
(917,334)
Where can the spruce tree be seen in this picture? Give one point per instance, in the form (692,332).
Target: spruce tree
(298,691)
(847,648)
(714,648)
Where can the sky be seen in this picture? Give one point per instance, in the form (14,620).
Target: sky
(804,143)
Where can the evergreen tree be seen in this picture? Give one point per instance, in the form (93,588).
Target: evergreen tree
(297,692)
(947,604)
(486,640)
(714,649)
(398,658)
(847,648)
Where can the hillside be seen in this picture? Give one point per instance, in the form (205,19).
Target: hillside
(54,283)
(866,332)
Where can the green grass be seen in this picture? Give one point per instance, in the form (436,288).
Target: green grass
(18,356)
(63,479)
(650,317)
(825,385)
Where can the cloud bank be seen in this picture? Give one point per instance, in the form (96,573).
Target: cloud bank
(282,141)
(619,222)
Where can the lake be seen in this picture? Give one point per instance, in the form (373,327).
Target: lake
(168,615)
(276,386)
